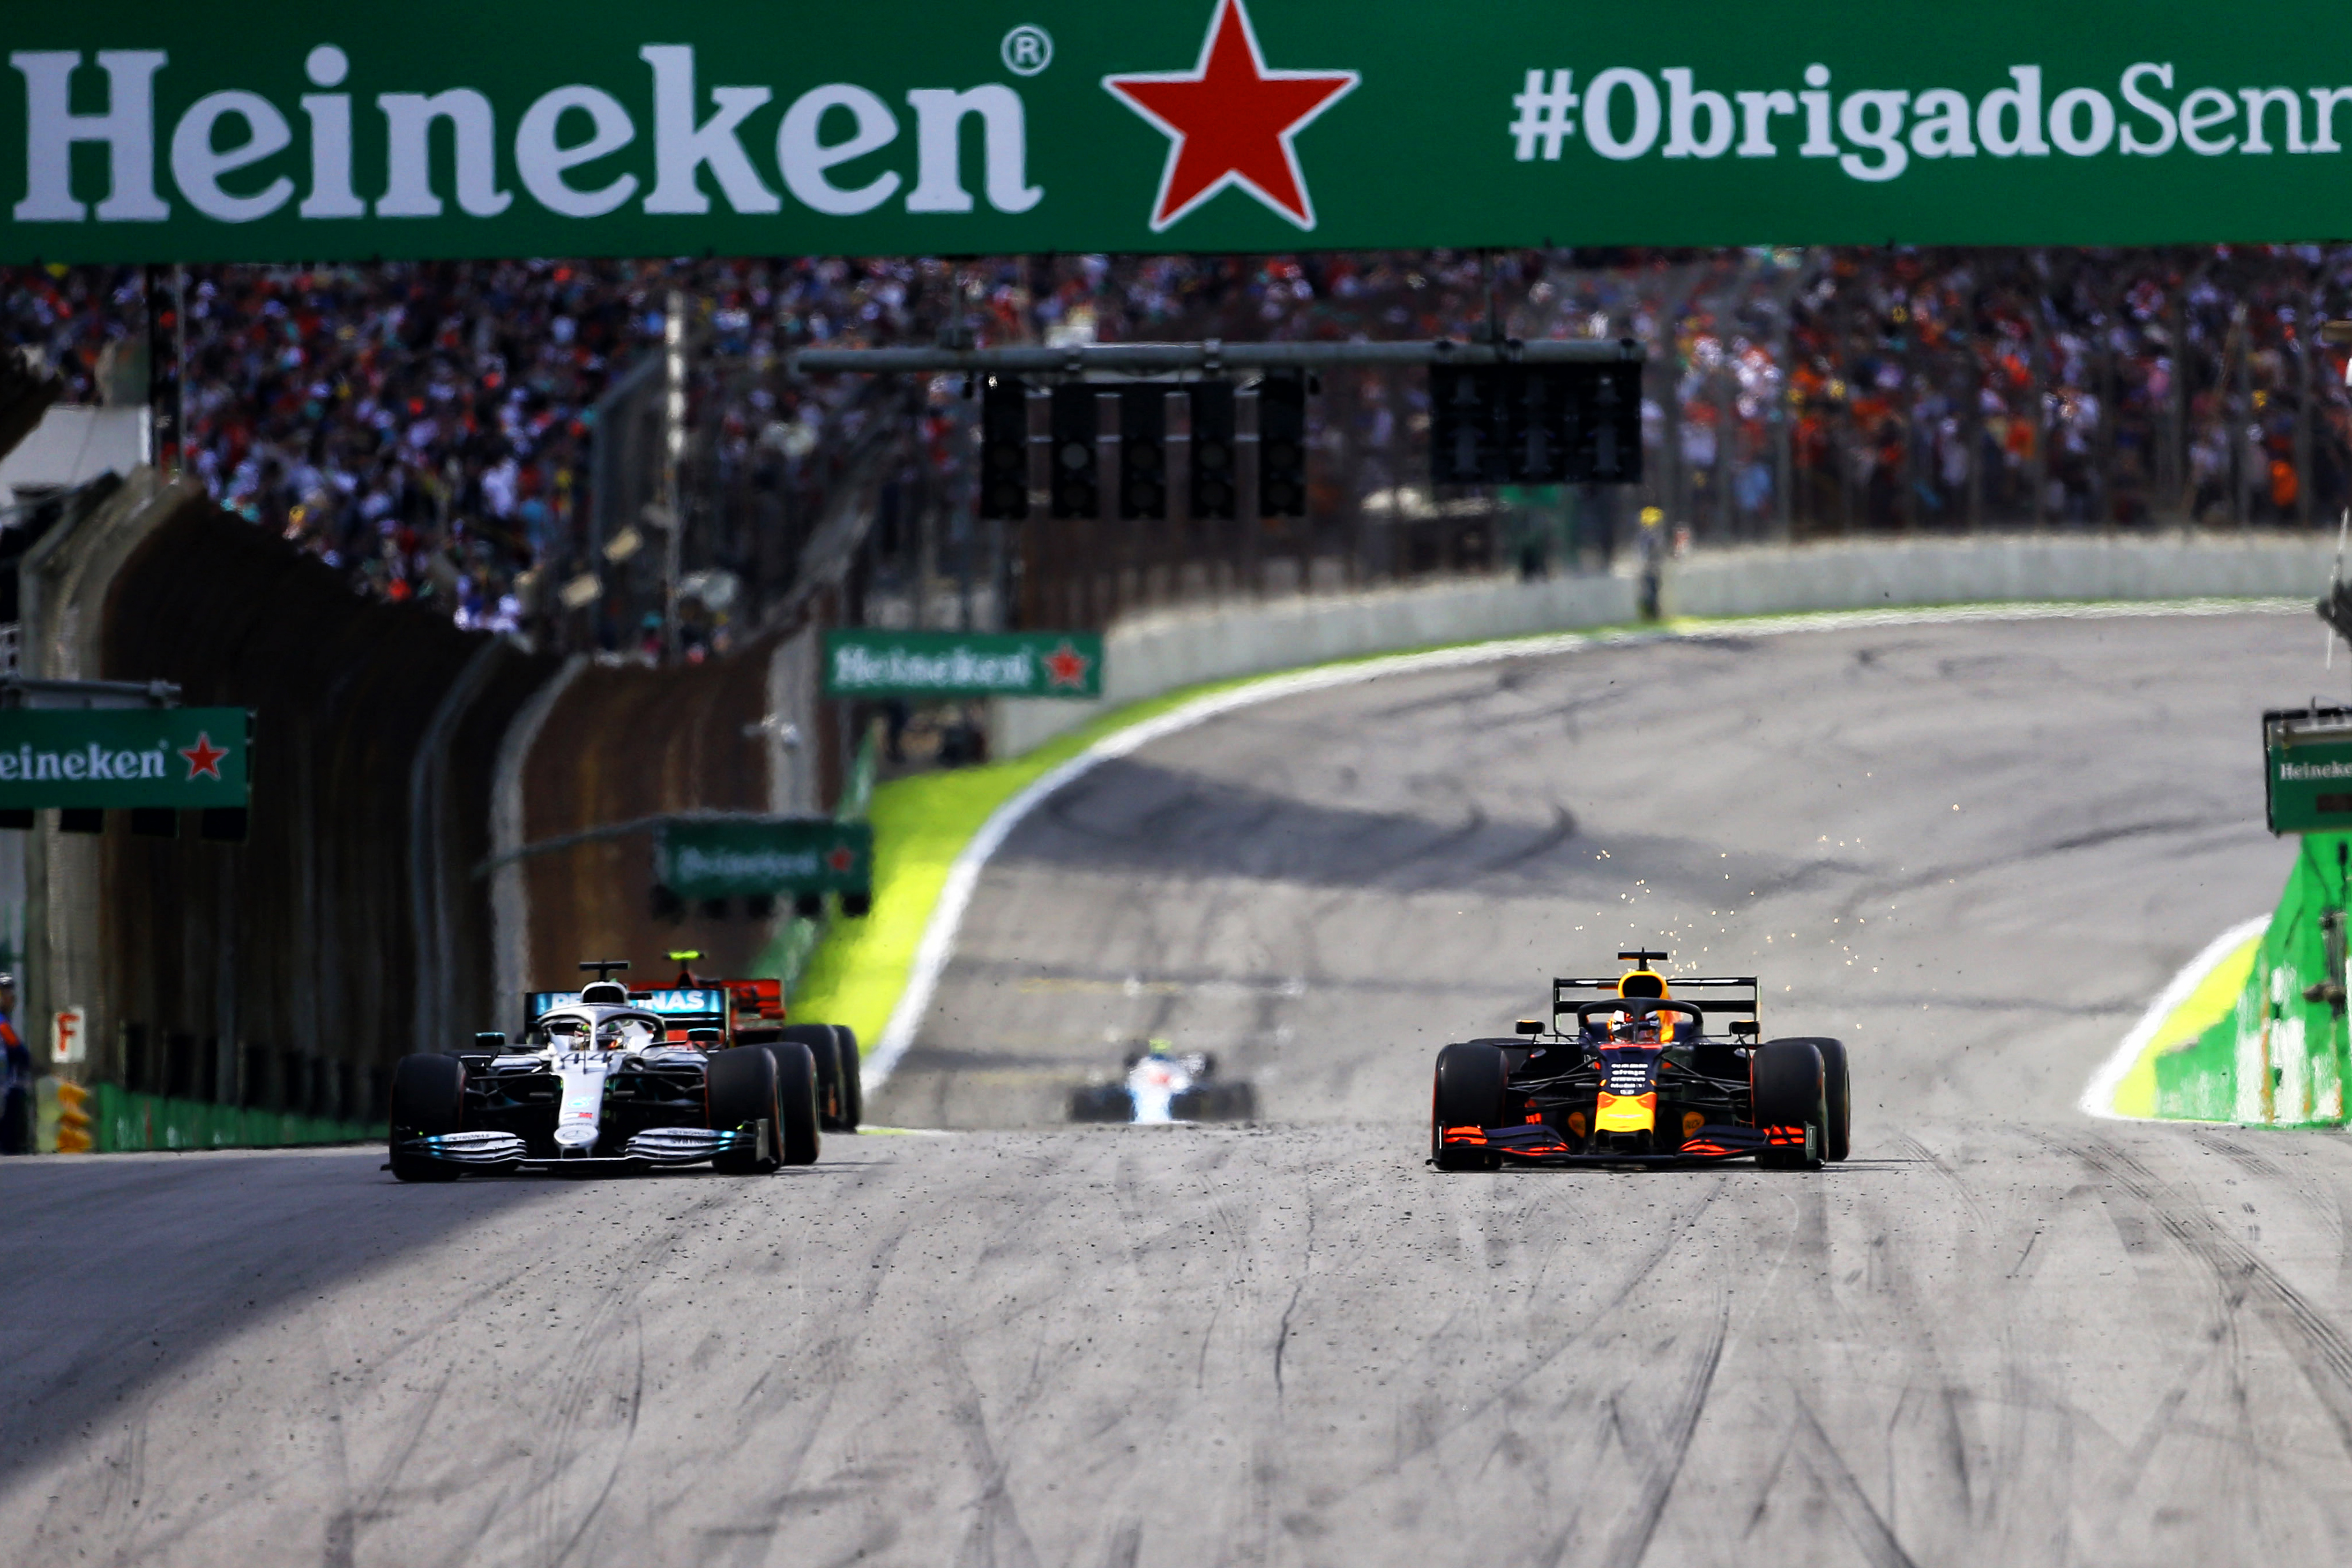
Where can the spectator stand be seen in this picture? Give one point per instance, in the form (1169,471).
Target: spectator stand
(484,437)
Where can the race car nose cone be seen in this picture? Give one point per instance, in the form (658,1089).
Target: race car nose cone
(575,1136)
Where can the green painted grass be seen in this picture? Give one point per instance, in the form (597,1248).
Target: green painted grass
(920,825)
(2207,1005)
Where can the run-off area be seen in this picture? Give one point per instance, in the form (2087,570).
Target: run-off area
(1999,1330)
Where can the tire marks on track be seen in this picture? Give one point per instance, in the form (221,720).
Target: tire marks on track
(1865,1526)
(2321,1349)
(1658,1456)
(597,1397)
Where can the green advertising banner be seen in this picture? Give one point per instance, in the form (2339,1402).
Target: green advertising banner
(868,662)
(2307,771)
(132,131)
(181,757)
(752,856)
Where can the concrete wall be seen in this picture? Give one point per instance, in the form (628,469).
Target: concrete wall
(1161,651)
(1996,569)
(63,591)
(287,972)
(71,446)
(1150,654)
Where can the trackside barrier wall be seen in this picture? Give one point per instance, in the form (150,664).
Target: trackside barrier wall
(1161,651)
(1150,654)
(283,977)
(127,1122)
(2280,1057)
(1990,569)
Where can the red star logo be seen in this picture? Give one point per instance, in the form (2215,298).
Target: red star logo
(841,860)
(1066,666)
(204,758)
(1230,122)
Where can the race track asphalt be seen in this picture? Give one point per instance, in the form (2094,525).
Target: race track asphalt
(2003,1332)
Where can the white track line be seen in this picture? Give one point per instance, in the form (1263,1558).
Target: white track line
(963,875)
(2099,1096)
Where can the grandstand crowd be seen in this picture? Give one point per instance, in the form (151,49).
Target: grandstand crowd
(428,427)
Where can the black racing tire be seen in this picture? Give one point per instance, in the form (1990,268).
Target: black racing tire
(1101,1102)
(1215,1101)
(742,1088)
(798,1132)
(1791,1089)
(1837,1093)
(428,1098)
(1467,1092)
(818,1038)
(853,1077)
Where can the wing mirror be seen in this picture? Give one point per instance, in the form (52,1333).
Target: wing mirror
(704,1037)
(1745,1028)
(1531,1026)
(490,1040)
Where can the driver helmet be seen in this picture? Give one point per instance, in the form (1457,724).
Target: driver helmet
(625,1034)
(1643,982)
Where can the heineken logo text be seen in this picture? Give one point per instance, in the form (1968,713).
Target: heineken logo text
(234,155)
(855,665)
(692,863)
(2311,773)
(84,762)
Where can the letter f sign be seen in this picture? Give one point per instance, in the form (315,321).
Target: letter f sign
(66,1035)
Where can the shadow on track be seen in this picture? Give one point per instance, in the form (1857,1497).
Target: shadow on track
(122,1269)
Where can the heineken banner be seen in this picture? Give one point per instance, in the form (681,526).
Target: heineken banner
(282,131)
(182,757)
(2307,778)
(729,856)
(867,662)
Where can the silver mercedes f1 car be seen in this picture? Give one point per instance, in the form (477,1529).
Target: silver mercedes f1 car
(607,1082)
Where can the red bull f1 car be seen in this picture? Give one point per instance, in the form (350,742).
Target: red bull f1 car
(1641,1075)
